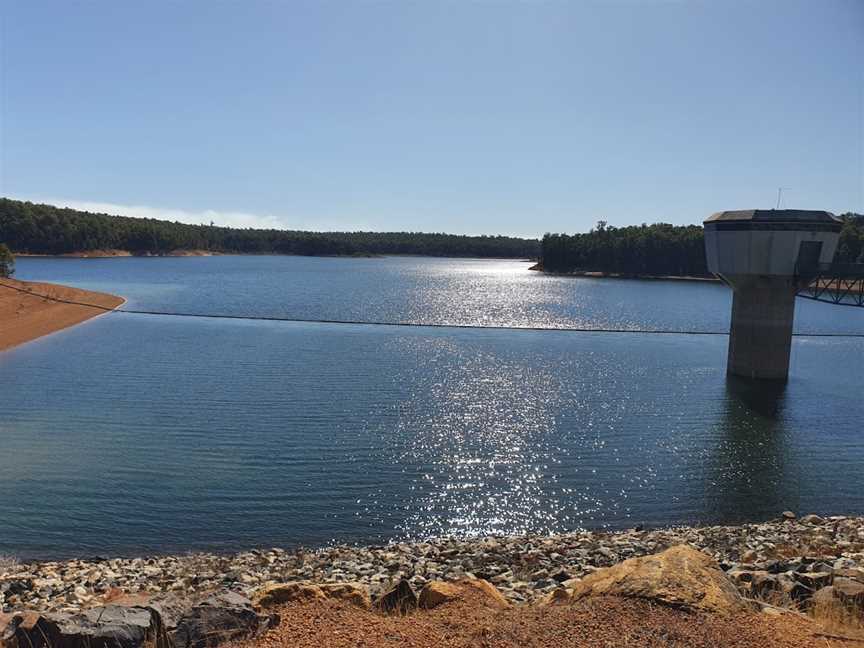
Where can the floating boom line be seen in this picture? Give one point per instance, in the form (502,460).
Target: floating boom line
(303,320)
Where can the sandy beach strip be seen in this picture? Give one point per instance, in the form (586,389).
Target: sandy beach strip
(29,310)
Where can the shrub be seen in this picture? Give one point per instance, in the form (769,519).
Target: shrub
(7,262)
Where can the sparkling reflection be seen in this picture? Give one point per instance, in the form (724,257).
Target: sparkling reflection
(482,445)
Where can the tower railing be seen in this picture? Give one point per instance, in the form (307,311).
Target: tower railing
(833,283)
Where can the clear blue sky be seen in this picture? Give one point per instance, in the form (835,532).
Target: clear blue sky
(475,117)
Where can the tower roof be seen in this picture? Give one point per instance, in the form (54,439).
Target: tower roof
(775,216)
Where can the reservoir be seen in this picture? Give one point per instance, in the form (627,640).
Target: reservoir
(138,433)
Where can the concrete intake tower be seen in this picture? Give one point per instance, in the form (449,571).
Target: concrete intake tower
(766,257)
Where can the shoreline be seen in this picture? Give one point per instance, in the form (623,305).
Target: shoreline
(117,254)
(32,310)
(126,254)
(597,274)
(525,569)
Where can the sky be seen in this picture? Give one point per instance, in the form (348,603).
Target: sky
(468,117)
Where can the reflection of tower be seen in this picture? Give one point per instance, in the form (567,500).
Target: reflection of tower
(764,256)
(749,476)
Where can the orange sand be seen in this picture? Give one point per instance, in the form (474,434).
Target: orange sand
(28,310)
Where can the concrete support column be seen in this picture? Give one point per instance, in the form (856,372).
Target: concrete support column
(760,339)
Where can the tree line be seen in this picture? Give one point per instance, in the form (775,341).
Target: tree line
(29,228)
(660,249)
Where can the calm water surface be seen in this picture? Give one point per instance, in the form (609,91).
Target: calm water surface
(135,433)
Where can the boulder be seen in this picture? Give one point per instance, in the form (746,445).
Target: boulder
(399,598)
(749,556)
(110,626)
(852,574)
(437,593)
(824,596)
(815,580)
(561,576)
(488,590)
(788,516)
(559,596)
(740,576)
(220,617)
(681,577)
(15,586)
(827,605)
(168,609)
(354,593)
(849,591)
(792,589)
(161,621)
(281,593)
(820,566)
(771,566)
(8,625)
(812,519)
(763,583)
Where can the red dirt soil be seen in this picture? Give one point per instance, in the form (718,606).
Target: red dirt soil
(597,622)
(28,310)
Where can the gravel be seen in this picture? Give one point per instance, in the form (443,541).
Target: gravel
(793,557)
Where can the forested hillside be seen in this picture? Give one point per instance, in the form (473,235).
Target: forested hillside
(659,250)
(638,250)
(29,228)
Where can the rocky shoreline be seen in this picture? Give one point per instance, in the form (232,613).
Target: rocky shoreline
(788,557)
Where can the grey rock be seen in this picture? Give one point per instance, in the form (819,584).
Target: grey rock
(561,575)
(812,519)
(815,580)
(400,598)
(849,591)
(761,583)
(771,566)
(221,617)
(14,586)
(853,574)
(110,626)
(793,589)
(820,566)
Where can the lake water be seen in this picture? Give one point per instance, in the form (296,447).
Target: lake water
(150,434)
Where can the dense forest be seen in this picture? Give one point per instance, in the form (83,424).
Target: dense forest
(659,250)
(29,228)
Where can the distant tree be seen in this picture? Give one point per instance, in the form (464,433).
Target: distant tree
(7,262)
(851,246)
